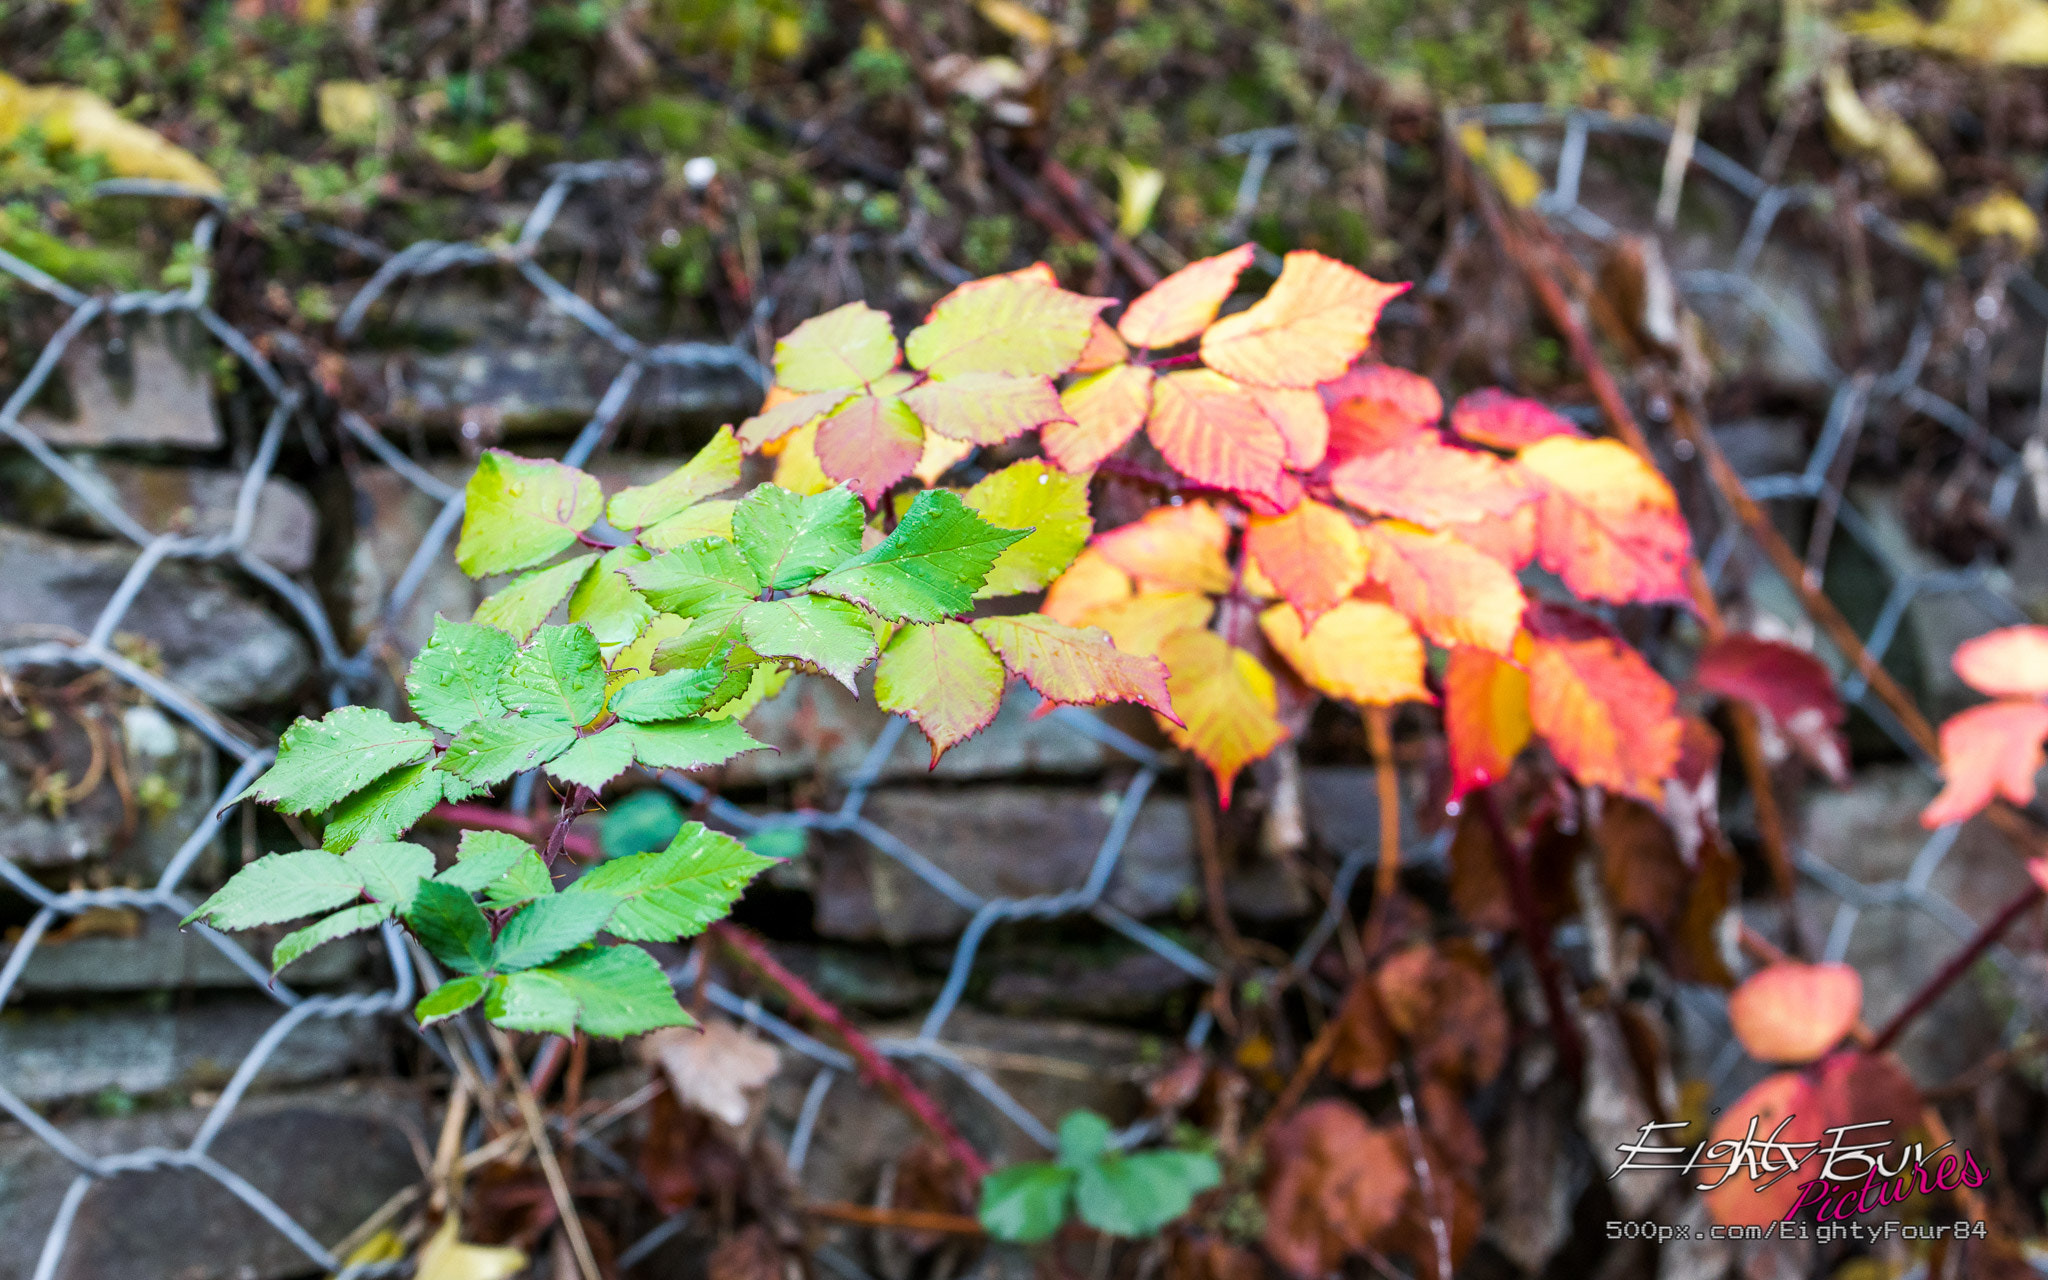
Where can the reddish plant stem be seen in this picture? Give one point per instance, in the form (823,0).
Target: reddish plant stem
(572,809)
(1958,965)
(754,951)
(1514,865)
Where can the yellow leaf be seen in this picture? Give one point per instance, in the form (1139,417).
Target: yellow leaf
(1226,699)
(446,1258)
(1878,134)
(797,468)
(72,119)
(1517,179)
(352,111)
(2005,32)
(1020,21)
(2001,215)
(1361,651)
(384,1246)
(1138,190)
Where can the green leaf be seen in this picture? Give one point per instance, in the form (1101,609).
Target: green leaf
(560,676)
(482,857)
(454,680)
(716,467)
(689,744)
(670,696)
(844,348)
(789,540)
(619,991)
(283,886)
(518,609)
(528,878)
(779,843)
(490,751)
(829,634)
(1025,1202)
(521,511)
(699,577)
(763,683)
(677,891)
(448,924)
(1084,1136)
(386,808)
(929,568)
(606,603)
(1008,324)
(550,926)
(945,678)
(594,760)
(639,822)
(704,639)
(1136,1195)
(391,872)
(1049,502)
(322,762)
(711,519)
(342,923)
(448,999)
(535,1001)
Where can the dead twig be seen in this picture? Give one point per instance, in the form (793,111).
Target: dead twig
(537,1130)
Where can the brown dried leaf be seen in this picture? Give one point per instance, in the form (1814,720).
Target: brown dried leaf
(1334,1184)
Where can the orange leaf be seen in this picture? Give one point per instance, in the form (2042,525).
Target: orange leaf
(1226,701)
(1213,432)
(1173,548)
(1090,583)
(1608,523)
(1486,717)
(1986,752)
(1794,1013)
(1510,539)
(2012,662)
(1075,665)
(1377,406)
(1104,350)
(985,408)
(1303,422)
(1311,556)
(1432,484)
(1142,623)
(1493,417)
(1456,593)
(1183,304)
(1308,328)
(871,443)
(1335,1184)
(1608,716)
(784,413)
(1105,409)
(1360,651)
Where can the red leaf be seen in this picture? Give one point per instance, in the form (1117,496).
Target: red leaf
(1377,406)
(1303,423)
(1787,684)
(1493,417)
(1608,716)
(871,443)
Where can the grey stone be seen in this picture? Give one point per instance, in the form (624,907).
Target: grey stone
(136,380)
(527,368)
(188,500)
(162,759)
(392,518)
(1074,982)
(141,1050)
(1008,841)
(327,1158)
(160,955)
(217,643)
(1870,832)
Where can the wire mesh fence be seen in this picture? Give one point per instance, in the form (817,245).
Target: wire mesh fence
(1853,396)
